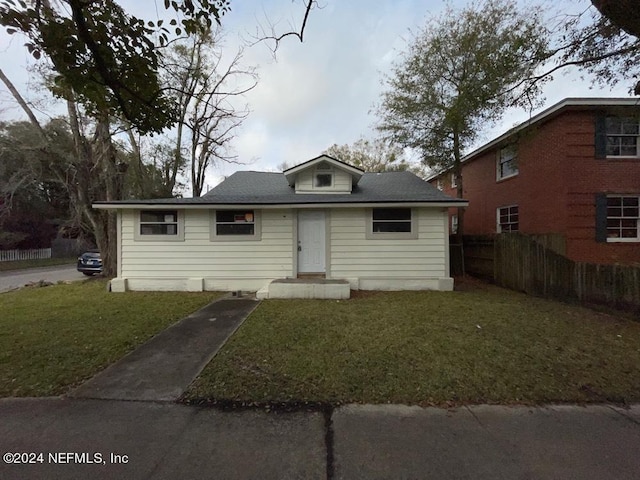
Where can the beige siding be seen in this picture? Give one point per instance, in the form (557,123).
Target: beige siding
(198,257)
(304,181)
(353,256)
(341,181)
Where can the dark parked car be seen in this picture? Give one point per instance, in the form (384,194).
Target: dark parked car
(90,262)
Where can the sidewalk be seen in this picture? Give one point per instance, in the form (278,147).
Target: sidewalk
(163,368)
(147,440)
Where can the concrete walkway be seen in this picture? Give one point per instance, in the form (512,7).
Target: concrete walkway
(163,368)
(105,439)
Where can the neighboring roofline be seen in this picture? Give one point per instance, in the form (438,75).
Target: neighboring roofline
(544,115)
(355,172)
(149,205)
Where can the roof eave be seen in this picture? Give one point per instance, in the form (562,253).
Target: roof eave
(544,115)
(210,205)
(291,173)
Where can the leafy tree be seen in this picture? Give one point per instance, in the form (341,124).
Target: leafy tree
(605,45)
(373,156)
(32,204)
(459,74)
(153,169)
(106,56)
(109,58)
(105,66)
(622,13)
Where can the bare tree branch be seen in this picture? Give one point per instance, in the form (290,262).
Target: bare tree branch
(277,38)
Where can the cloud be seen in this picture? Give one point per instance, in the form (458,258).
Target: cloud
(319,92)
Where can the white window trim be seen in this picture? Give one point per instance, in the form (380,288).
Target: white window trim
(257,228)
(498,226)
(138,237)
(635,239)
(623,240)
(412,235)
(499,163)
(454,184)
(439,184)
(454,224)
(622,157)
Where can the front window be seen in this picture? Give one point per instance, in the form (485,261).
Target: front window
(391,220)
(508,219)
(439,184)
(159,222)
(235,222)
(454,224)
(454,184)
(622,136)
(507,162)
(622,218)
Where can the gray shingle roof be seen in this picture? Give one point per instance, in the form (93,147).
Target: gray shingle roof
(272,189)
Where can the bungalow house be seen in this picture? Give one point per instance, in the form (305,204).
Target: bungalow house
(318,227)
(569,176)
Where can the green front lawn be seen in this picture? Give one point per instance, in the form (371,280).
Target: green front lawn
(55,337)
(483,345)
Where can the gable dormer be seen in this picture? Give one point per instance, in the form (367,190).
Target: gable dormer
(323,174)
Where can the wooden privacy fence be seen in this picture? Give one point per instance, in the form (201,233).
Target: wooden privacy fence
(12,255)
(521,263)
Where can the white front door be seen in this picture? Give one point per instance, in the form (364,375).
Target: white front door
(311,242)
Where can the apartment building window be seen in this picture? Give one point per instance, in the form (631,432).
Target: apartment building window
(507,164)
(623,218)
(454,224)
(622,136)
(507,219)
(439,184)
(454,184)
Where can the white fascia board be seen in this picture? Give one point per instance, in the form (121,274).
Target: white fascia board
(209,206)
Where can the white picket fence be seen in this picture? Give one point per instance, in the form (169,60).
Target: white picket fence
(13,255)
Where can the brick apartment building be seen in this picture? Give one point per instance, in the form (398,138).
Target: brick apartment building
(570,174)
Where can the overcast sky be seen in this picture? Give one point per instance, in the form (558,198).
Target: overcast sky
(319,92)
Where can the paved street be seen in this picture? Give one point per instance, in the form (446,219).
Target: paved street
(105,439)
(19,278)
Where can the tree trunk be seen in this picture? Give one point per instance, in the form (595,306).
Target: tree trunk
(89,168)
(113,180)
(622,13)
(141,190)
(457,171)
(23,104)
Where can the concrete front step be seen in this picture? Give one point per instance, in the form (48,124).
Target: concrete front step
(305,288)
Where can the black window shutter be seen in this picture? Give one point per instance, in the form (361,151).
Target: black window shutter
(601,217)
(601,135)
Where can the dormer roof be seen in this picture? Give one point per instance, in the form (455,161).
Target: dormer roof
(291,173)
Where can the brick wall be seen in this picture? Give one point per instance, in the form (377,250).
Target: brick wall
(555,188)
(588,176)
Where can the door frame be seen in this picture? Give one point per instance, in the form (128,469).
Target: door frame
(327,241)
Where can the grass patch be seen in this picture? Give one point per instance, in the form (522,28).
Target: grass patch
(54,338)
(426,348)
(43,262)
